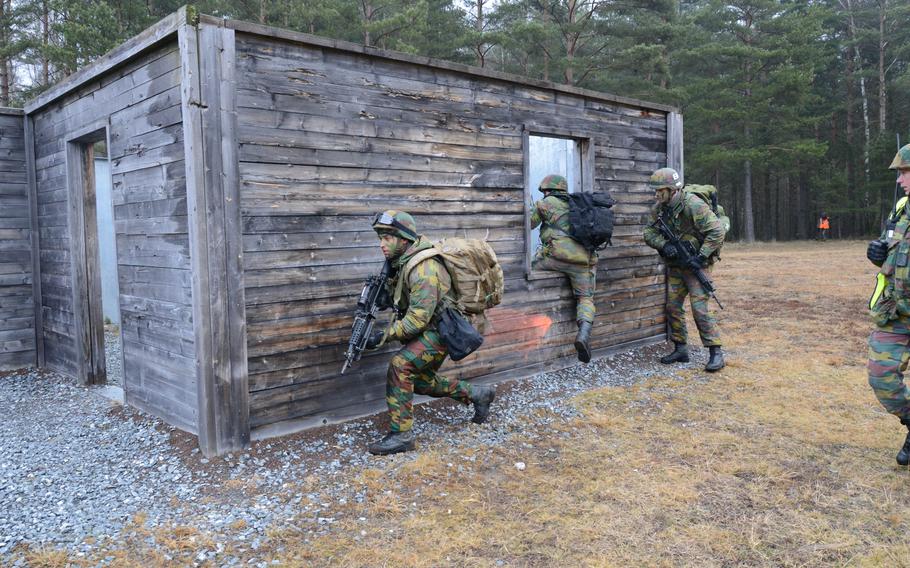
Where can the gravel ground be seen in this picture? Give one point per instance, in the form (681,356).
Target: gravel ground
(113,355)
(75,467)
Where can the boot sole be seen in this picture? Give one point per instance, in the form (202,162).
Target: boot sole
(680,360)
(584,354)
(398,450)
(712,370)
(486,413)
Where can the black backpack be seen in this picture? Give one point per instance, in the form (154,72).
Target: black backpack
(591,219)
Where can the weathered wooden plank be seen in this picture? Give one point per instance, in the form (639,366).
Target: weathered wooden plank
(157,308)
(373,128)
(176,225)
(267,172)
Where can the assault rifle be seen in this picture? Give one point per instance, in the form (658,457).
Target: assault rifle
(685,257)
(372,299)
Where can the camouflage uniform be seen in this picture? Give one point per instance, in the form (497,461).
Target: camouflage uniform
(889,343)
(562,253)
(693,220)
(413,368)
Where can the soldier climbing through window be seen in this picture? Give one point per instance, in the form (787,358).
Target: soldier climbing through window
(561,253)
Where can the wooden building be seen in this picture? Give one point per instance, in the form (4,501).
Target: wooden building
(247,163)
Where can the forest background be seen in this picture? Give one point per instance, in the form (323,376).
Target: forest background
(791,108)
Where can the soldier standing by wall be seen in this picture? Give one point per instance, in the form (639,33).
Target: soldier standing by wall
(694,221)
(561,253)
(413,368)
(889,343)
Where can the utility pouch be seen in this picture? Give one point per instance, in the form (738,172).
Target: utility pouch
(459,336)
(882,306)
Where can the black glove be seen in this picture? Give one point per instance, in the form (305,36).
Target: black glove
(375,339)
(877,252)
(697,262)
(669,251)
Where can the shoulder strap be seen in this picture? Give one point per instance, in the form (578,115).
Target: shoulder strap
(408,267)
(899,208)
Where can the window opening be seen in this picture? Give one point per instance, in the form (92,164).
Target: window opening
(550,155)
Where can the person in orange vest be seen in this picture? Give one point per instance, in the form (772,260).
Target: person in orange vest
(823,225)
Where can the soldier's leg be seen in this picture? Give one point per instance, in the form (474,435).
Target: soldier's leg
(406,368)
(431,383)
(676,305)
(704,319)
(889,352)
(582,279)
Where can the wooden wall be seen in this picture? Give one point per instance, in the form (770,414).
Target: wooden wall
(141,103)
(329,137)
(17,312)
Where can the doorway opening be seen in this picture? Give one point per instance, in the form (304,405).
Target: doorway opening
(95,275)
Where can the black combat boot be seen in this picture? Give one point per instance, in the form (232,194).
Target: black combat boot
(903,456)
(680,355)
(393,443)
(716,360)
(581,341)
(481,397)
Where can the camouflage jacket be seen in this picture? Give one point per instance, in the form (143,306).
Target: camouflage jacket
(422,295)
(553,213)
(894,300)
(690,218)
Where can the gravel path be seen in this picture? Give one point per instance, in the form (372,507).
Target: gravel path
(74,465)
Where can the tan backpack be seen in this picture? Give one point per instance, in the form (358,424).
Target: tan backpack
(477,279)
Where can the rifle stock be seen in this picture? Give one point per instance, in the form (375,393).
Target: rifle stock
(365,315)
(686,253)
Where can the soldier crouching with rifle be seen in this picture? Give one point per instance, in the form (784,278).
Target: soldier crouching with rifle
(683,224)
(413,368)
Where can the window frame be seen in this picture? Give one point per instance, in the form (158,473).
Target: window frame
(586,154)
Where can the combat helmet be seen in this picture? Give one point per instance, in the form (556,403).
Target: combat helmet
(553,183)
(397,222)
(665,177)
(901,159)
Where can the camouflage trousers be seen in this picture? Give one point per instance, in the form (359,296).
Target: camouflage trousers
(683,283)
(889,352)
(581,277)
(413,369)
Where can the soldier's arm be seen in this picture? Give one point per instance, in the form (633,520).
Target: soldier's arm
(652,236)
(707,224)
(424,294)
(536,215)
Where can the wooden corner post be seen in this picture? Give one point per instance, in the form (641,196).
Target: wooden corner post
(213,202)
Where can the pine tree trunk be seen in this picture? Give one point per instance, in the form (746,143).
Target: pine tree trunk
(46,40)
(851,156)
(478,27)
(263,12)
(882,92)
(4,61)
(749,219)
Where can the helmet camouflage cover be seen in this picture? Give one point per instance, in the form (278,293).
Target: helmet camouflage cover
(554,183)
(398,223)
(901,159)
(665,177)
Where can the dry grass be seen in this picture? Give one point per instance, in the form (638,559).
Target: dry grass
(783,459)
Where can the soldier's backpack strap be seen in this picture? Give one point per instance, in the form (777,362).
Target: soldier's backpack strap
(408,267)
(898,209)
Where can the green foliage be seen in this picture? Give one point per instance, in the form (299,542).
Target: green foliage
(769,85)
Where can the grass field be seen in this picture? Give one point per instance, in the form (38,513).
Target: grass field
(785,458)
